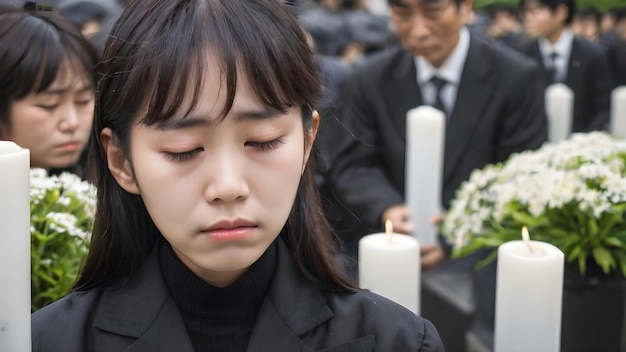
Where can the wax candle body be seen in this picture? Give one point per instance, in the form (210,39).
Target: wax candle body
(529,291)
(618,112)
(559,108)
(391,268)
(424,169)
(14,248)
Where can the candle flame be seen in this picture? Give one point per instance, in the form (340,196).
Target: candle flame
(388,230)
(526,238)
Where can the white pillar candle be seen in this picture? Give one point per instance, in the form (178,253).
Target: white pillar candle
(618,112)
(424,169)
(559,108)
(389,265)
(14,248)
(529,292)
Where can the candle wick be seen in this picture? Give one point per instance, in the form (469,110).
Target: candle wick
(526,238)
(388,230)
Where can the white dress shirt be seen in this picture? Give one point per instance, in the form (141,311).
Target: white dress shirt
(563,48)
(451,70)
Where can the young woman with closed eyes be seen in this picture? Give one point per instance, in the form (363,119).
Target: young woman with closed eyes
(209,234)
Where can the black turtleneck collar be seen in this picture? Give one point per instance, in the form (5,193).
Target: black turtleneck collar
(217,316)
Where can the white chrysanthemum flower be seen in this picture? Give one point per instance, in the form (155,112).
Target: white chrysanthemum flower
(585,171)
(62,220)
(38,173)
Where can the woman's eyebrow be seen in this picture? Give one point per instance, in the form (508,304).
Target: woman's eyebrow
(258,114)
(85,88)
(193,121)
(56,91)
(63,90)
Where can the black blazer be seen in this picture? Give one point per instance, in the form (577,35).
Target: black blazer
(499,110)
(589,78)
(295,316)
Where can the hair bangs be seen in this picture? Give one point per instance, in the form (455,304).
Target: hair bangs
(171,59)
(38,52)
(163,73)
(32,57)
(278,62)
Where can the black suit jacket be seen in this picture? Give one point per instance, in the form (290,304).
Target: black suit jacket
(589,78)
(295,316)
(499,110)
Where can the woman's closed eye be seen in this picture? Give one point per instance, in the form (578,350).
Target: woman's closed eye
(83,102)
(48,107)
(182,156)
(188,155)
(265,146)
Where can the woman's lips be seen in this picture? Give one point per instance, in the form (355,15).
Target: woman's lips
(70,147)
(230,234)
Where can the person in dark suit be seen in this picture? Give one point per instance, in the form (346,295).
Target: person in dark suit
(209,235)
(493,99)
(620,48)
(505,25)
(580,64)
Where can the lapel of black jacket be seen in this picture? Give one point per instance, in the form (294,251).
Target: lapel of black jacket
(292,307)
(402,92)
(143,309)
(472,98)
(574,66)
(535,53)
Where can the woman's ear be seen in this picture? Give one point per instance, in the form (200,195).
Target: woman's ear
(311,135)
(117,162)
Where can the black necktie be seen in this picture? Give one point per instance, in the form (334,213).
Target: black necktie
(551,68)
(439,83)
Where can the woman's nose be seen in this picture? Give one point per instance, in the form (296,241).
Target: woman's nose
(69,118)
(227,180)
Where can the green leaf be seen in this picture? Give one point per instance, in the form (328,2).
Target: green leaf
(490,258)
(613,241)
(575,253)
(604,259)
(592,227)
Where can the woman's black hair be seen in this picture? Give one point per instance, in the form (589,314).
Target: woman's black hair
(34,47)
(150,67)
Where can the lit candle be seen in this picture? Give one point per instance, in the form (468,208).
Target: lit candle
(618,112)
(14,248)
(424,169)
(389,265)
(559,108)
(529,291)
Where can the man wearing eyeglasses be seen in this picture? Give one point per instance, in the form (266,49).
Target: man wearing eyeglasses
(491,95)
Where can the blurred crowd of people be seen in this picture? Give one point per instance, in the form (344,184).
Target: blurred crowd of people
(347,33)
(350,29)
(504,22)
(487,69)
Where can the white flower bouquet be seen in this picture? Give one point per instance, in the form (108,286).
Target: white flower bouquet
(571,193)
(61,212)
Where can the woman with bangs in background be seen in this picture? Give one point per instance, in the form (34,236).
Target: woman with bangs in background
(47,80)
